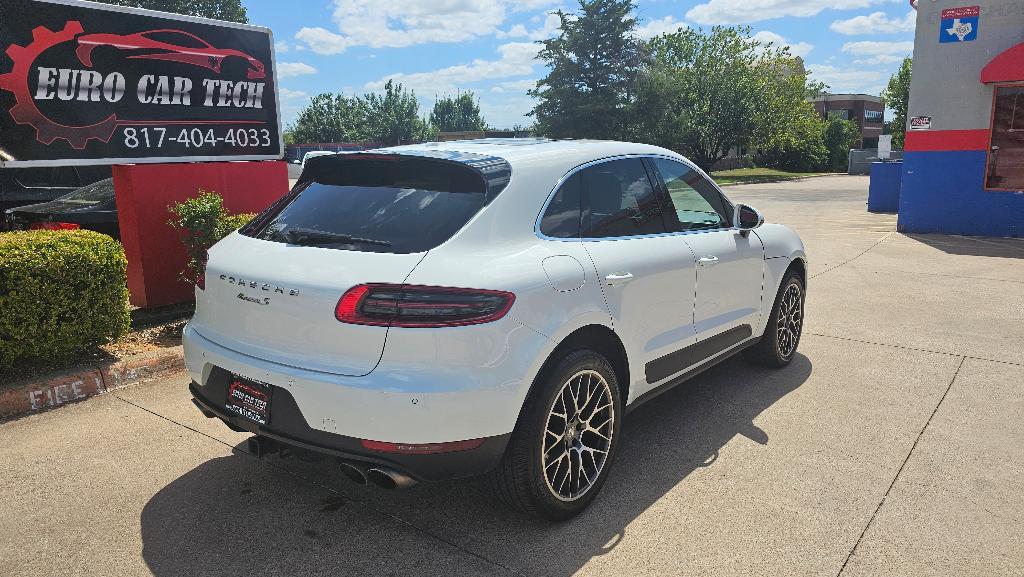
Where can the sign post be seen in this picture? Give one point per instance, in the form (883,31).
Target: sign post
(85,84)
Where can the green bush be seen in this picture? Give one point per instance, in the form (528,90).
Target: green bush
(201,222)
(61,293)
(840,136)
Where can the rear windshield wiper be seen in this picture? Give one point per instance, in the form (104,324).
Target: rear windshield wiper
(312,236)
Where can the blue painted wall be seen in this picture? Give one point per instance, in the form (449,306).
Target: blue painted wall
(944,192)
(884,187)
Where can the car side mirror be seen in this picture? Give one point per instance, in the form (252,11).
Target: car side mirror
(746,218)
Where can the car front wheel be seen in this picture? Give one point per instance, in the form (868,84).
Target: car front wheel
(782,335)
(561,451)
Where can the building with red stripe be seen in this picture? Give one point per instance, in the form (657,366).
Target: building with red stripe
(963,168)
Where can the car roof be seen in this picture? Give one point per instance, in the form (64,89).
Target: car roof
(520,152)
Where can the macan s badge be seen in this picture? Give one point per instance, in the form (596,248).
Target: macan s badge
(258,285)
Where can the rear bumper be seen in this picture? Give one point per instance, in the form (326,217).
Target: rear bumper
(416,395)
(289,427)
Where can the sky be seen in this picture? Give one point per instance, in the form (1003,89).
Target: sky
(439,47)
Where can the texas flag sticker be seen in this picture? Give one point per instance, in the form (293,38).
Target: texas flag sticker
(959,24)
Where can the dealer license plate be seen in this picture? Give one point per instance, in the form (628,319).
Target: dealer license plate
(249,399)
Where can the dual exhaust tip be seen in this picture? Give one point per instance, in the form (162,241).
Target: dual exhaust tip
(381,476)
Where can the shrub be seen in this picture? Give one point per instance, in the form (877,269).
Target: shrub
(61,293)
(201,222)
(840,136)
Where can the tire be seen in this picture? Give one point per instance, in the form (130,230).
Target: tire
(779,343)
(534,474)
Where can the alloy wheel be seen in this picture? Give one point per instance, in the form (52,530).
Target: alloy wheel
(578,435)
(790,321)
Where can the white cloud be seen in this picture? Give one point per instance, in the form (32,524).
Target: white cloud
(848,80)
(880,59)
(289,69)
(288,94)
(322,41)
(801,49)
(875,23)
(517,31)
(546,30)
(398,23)
(551,25)
(664,25)
(280,46)
(528,5)
(514,86)
(517,59)
(877,48)
(508,111)
(743,11)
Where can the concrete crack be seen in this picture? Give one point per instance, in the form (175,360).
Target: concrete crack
(848,261)
(902,466)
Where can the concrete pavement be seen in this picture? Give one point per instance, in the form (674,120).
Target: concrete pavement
(893,445)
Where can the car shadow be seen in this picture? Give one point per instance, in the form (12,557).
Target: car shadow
(972,245)
(240,515)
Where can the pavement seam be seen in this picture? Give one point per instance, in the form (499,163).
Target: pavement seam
(919,350)
(363,504)
(902,466)
(848,261)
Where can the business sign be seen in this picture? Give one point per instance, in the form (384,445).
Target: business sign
(959,24)
(920,122)
(85,83)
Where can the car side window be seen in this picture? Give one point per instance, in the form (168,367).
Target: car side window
(562,217)
(619,200)
(697,202)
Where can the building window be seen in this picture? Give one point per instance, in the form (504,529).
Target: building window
(872,116)
(1006,152)
(840,113)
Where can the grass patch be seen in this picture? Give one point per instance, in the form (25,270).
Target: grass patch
(755,175)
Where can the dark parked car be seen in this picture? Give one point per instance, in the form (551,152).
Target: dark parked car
(21,186)
(91,207)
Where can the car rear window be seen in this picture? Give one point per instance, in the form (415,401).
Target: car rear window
(375,203)
(95,193)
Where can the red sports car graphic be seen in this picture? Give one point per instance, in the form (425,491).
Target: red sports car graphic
(171,45)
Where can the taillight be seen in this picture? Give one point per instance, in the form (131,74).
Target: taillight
(424,448)
(54,226)
(201,273)
(421,306)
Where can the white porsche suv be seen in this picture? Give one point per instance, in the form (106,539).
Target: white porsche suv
(492,307)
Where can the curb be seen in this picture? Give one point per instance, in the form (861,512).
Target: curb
(80,384)
(797,179)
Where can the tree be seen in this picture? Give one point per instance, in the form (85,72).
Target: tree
(594,64)
(393,117)
(800,148)
(707,92)
(458,114)
(897,96)
(788,133)
(840,136)
(330,118)
(230,10)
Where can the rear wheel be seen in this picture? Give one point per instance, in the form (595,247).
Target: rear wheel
(782,335)
(560,453)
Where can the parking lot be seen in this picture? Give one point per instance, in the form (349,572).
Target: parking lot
(892,445)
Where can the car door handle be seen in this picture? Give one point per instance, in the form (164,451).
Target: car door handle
(707,261)
(618,278)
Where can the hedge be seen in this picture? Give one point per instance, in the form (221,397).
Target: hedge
(61,293)
(201,221)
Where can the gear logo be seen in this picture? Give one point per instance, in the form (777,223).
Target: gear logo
(25,110)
